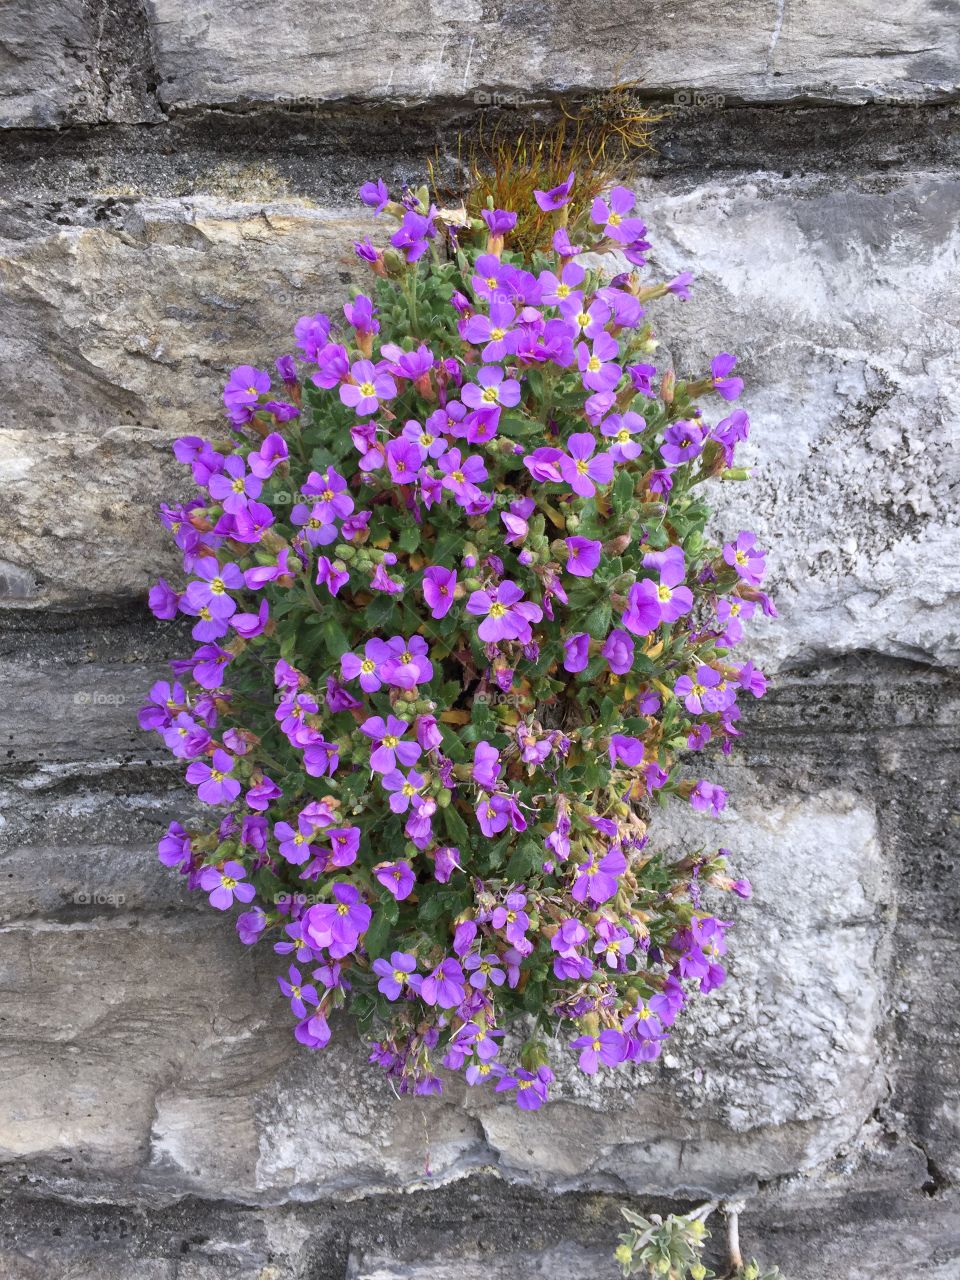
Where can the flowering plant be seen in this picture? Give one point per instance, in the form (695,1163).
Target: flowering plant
(458,622)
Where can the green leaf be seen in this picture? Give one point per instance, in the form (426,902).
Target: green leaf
(456,827)
(409,539)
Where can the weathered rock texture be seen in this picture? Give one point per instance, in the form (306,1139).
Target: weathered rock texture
(175,189)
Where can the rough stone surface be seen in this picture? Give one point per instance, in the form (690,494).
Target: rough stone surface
(220,53)
(157,1120)
(132,316)
(841,307)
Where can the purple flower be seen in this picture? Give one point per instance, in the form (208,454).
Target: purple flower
(557,196)
(344,842)
(752,679)
(413,234)
(244,388)
(232,486)
(329,489)
(405,790)
(313,1032)
(388,748)
(446,861)
(486,765)
(682,441)
(408,664)
(223,886)
(444,986)
(439,585)
(430,446)
(508,615)
(404,459)
(618,651)
(606,1047)
(163,600)
(499,221)
(367,387)
(721,367)
(262,794)
(462,477)
(584,556)
(649,603)
(707,795)
(626,750)
(581,470)
(482,969)
(375,195)
(531,1089)
(491,391)
(699,693)
(311,334)
(338,925)
(613,218)
(746,558)
(367,668)
(396,876)
(598,366)
(250,925)
(297,992)
(576,652)
(598,879)
(174,847)
(495,330)
(213,782)
(512,918)
(621,428)
(395,974)
(209,596)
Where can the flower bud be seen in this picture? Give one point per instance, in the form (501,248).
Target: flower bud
(667,386)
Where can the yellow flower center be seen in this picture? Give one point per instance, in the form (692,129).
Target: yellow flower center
(390,741)
(664,594)
(367,666)
(593,365)
(228,882)
(490,395)
(237,485)
(217,586)
(327,495)
(497,610)
(457,476)
(496,334)
(614,220)
(367,389)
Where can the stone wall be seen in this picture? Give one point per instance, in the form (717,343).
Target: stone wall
(176,186)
